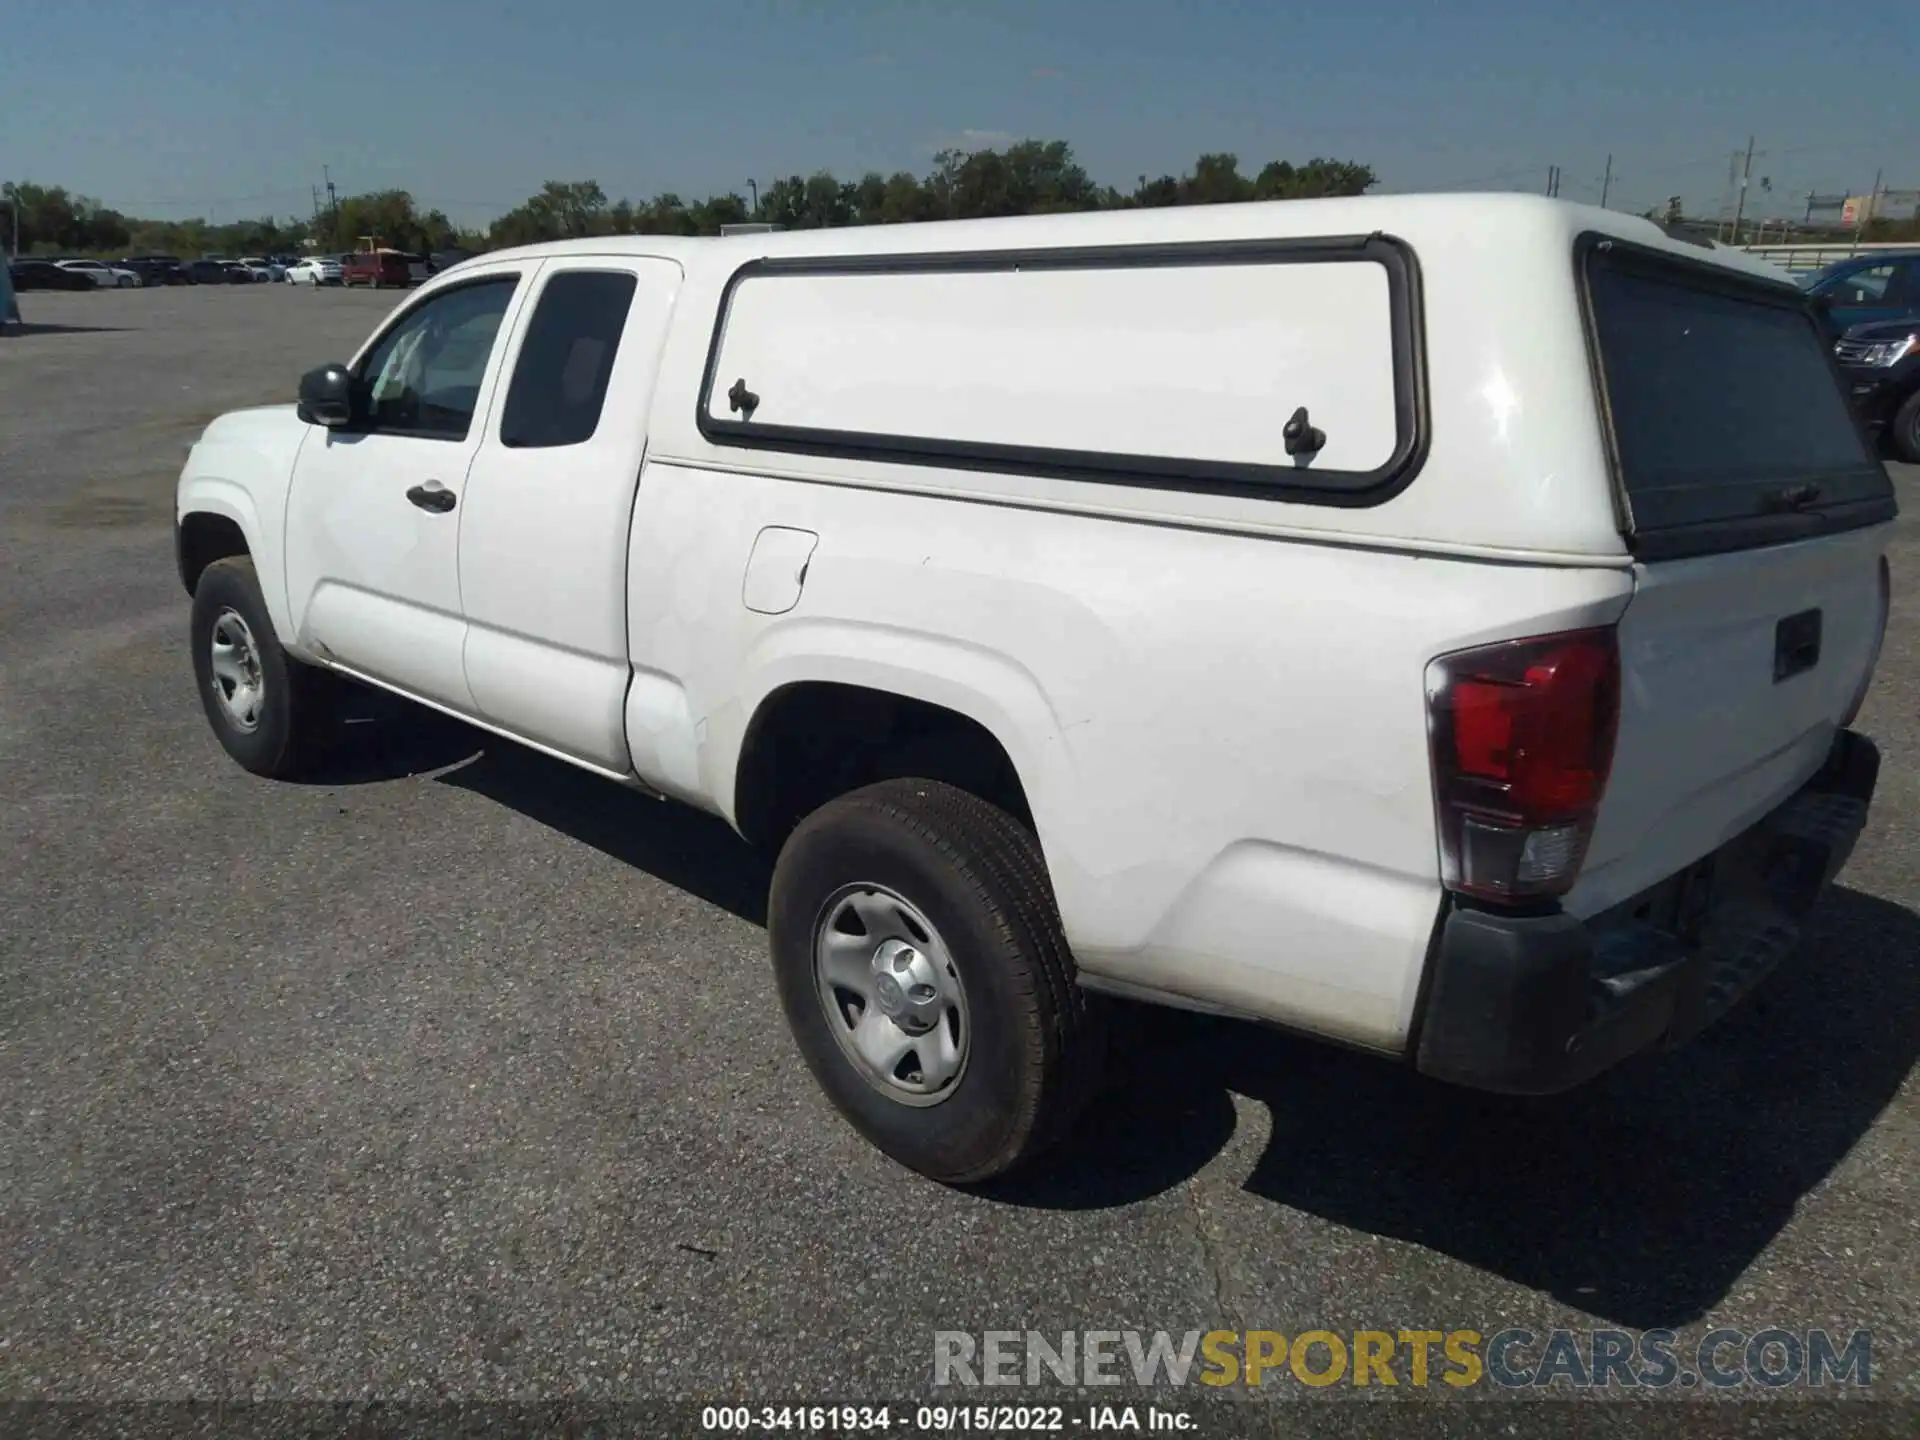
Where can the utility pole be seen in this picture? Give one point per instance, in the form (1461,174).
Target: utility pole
(1553,180)
(753,187)
(1606,183)
(1740,199)
(333,202)
(1873,203)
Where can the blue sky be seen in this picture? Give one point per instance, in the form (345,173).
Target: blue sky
(231,108)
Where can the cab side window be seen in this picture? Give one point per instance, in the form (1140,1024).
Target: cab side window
(423,376)
(560,380)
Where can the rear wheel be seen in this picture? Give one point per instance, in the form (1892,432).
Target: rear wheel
(921,964)
(1905,430)
(267,709)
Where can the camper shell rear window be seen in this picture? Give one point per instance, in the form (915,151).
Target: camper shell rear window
(1726,421)
(1174,366)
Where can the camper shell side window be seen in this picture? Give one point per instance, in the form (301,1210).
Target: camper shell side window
(1290,369)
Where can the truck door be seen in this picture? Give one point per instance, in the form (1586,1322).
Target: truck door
(374,518)
(549,502)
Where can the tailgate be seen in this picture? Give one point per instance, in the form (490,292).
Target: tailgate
(1736,670)
(1758,516)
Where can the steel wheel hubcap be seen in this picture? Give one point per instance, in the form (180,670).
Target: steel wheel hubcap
(892,994)
(237,682)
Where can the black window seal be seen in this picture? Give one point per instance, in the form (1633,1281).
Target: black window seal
(399,318)
(1283,482)
(1678,542)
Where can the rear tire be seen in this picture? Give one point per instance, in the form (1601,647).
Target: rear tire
(968,889)
(267,709)
(1904,433)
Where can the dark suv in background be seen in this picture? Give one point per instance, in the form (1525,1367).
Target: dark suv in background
(217,272)
(1881,362)
(156,269)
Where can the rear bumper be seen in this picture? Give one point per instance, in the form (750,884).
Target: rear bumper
(1537,1004)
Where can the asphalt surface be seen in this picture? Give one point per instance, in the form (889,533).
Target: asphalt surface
(461,1074)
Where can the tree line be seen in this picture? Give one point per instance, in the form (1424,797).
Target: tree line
(1028,177)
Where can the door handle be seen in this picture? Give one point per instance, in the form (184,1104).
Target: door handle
(433,496)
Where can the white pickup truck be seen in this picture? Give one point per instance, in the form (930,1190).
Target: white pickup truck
(1431,623)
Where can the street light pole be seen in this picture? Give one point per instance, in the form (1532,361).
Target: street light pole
(753,188)
(1740,201)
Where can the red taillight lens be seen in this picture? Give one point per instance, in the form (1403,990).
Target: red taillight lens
(1522,736)
(1879,640)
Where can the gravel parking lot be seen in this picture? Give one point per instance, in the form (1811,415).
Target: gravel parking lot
(461,1074)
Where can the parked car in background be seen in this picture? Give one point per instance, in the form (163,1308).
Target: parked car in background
(445,259)
(256,267)
(315,270)
(1865,288)
(376,268)
(208,271)
(107,277)
(1881,361)
(156,269)
(45,275)
(9,306)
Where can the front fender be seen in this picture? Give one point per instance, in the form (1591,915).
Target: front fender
(246,484)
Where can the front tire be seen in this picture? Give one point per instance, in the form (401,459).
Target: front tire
(1904,433)
(266,708)
(920,960)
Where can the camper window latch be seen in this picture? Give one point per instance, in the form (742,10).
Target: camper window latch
(1300,436)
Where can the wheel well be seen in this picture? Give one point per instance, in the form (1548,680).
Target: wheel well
(204,539)
(811,742)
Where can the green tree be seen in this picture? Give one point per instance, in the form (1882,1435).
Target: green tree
(1216,180)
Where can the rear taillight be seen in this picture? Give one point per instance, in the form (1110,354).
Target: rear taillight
(1522,735)
(1879,639)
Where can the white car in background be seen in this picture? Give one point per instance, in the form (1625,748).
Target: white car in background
(107,277)
(315,270)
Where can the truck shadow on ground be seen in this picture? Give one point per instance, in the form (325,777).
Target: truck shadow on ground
(28,330)
(383,738)
(1640,1199)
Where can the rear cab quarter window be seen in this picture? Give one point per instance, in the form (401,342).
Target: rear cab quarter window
(565,362)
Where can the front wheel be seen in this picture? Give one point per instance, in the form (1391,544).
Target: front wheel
(1904,433)
(266,708)
(922,967)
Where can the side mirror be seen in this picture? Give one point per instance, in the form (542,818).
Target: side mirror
(326,397)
